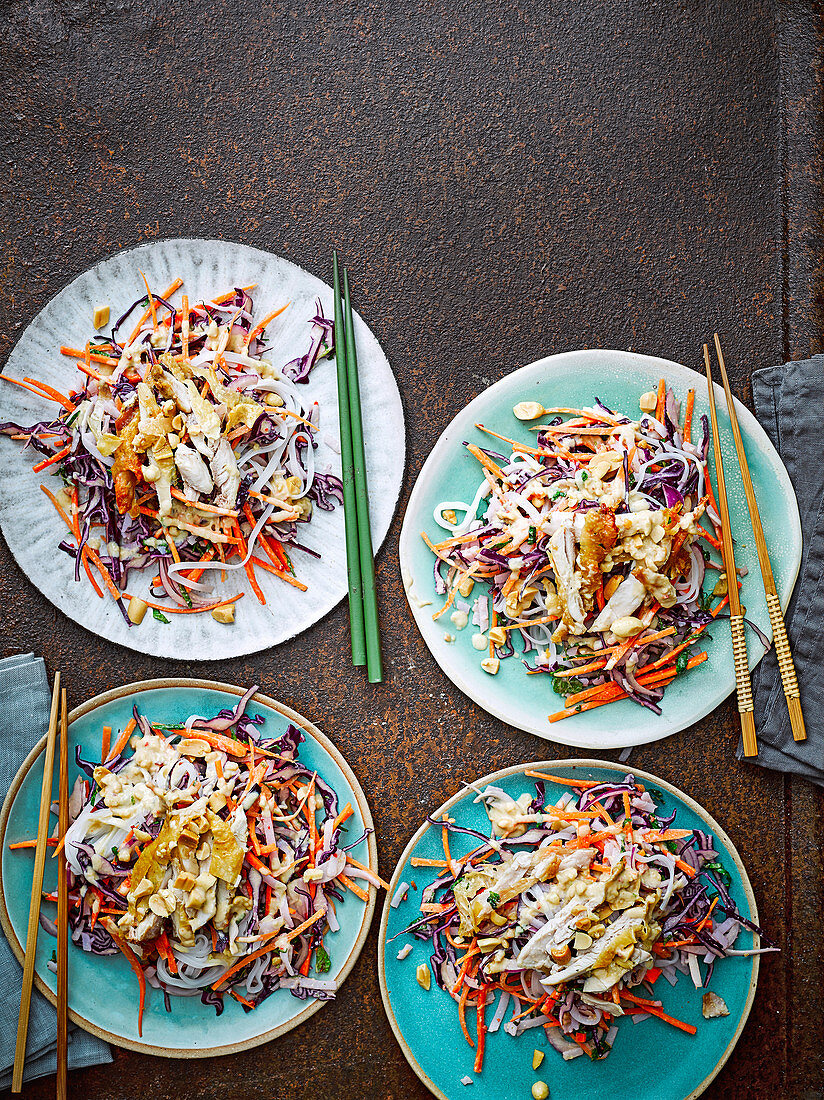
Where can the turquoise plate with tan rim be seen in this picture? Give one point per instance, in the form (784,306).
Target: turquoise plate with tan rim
(650,1060)
(103,991)
(450,473)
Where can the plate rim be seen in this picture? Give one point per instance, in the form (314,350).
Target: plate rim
(750,427)
(554,765)
(293,716)
(146,246)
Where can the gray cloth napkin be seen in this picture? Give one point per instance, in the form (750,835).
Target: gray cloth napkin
(25,700)
(789,400)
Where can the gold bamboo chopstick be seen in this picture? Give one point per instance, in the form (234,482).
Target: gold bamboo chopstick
(63,909)
(739,641)
(36,892)
(783,653)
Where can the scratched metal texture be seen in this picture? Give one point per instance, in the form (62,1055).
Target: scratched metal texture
(505,180)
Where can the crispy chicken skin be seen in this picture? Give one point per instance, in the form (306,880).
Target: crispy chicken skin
(598,537)
(127,462)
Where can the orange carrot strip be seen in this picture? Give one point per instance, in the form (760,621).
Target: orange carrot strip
(186,610)
(203,507)
(261,325)
(184,326)
(462,1015)
(93,357)
(481,1028)
(134,963)
(51,461)
(585,783)
(363,867)
(344,815)
(661,398)
(64,401)
(122,740)
(659,1012)
(350,885)
(106,743)
(688,416)
(248,568)
(316,916)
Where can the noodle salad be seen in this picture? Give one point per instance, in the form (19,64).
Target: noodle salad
(212,858)
(591,551)
(567,913)
(185,450)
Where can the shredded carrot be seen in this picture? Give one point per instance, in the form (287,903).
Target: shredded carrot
(51,461)
(344,815)
(248,568)
(134,963)
(148,312)
(185,610)
(481,1028)
(654,1010)
(93,357)
(106,743)
(584,783)
(462,1014)
(212,508)
(485,461)
(50,841)
(316,916)
(350,885)
(61,400)
(261,325)
(661,399)
(184,326)
(688,416)
(122,740)
(363,867)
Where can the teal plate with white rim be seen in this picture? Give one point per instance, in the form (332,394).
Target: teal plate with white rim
(103,990)
(650,1060)
(450,473)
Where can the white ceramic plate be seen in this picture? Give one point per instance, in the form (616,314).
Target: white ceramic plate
(33,529)
(450,473)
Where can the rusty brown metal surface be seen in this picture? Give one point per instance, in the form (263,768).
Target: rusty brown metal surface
(505,181)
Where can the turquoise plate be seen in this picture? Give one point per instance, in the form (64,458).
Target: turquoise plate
(450,473)
(650,1061)
(103,991)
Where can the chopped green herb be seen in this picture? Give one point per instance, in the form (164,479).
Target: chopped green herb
(562,685)
(560,493)
(584,476)
(494,900)
(322,960)
(681,661)
(161,618)
(719,870)
(533,534)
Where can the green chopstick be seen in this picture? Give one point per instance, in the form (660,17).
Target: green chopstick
(374,665)
(353,567)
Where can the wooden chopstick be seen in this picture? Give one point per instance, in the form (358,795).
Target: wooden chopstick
(374,665)
(739,640)
(63,910)
(353,567)
(783,653)
(36,892)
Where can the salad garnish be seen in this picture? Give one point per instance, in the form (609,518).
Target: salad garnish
(187,450)
(568,912)
(591,551)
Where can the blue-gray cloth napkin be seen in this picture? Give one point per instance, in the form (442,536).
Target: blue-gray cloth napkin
(25,700)
(789,400)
